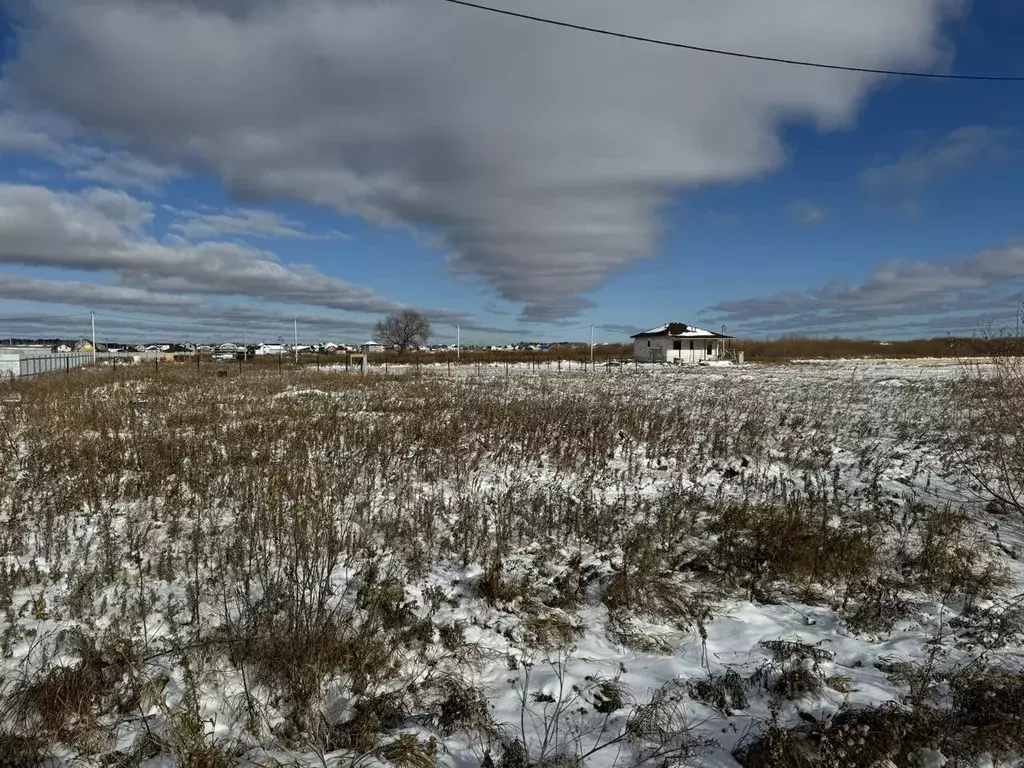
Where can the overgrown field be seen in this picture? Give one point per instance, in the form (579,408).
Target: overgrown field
(812,565)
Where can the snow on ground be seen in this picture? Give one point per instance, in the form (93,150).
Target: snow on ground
(510,559)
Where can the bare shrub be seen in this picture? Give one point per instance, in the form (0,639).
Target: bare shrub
(724,693)
(794,671)
(986,434)
(464,708)
(948,560)
(798,543)
(982,720)
(560,732)
(646,585)
(551,631)
(75,703)
(19,751)
(373,716)
(877,606)
(858,738)
(989,704)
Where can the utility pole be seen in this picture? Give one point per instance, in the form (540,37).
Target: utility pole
(458,341)
(92,319)
(295,325)
(245,345)
(592,346)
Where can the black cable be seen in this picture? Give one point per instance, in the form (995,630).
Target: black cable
(735,54)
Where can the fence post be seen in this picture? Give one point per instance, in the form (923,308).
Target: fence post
(318,361)
(67,367)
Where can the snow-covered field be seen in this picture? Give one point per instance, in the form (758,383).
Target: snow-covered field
(757,565)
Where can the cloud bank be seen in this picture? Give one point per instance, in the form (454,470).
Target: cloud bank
(989,283)
(100,230)
(539,156)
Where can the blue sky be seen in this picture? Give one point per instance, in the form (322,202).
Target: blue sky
(517,181)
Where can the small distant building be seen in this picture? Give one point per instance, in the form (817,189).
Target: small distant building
(679,343)
(269,349)
(61,349)
(228,346)
(371,346)
(85,346)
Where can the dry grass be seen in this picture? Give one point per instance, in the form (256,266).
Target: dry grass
(263,547)
(802,348)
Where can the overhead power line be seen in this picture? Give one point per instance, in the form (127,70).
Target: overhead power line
(736,54)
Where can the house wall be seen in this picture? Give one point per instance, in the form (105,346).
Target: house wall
(661,349)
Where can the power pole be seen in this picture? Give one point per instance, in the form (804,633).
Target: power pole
(245,345)
(592,345)
(295,325)
(458,341)
(92,320)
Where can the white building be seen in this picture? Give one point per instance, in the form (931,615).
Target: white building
(679,343)
(371,346)
(269,349)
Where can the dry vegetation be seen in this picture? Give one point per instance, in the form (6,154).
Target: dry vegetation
(343,570)
(801,348)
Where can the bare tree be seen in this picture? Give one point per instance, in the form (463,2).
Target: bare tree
(403,329)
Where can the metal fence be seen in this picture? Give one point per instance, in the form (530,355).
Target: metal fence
(16,363)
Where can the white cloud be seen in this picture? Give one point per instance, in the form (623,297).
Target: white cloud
(54,140)
(807,213)
(986,280)
(21,288)
(103,231)
(123,169)
(955,152)
(245,221)
(541,155)
(20,135)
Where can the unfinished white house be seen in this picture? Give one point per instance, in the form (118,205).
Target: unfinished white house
(679,343)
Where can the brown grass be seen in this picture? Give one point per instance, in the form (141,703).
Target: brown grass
(275,540)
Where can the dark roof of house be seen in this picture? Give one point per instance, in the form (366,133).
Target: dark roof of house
(680,330)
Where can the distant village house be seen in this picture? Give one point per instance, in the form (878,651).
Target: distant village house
(679,343)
